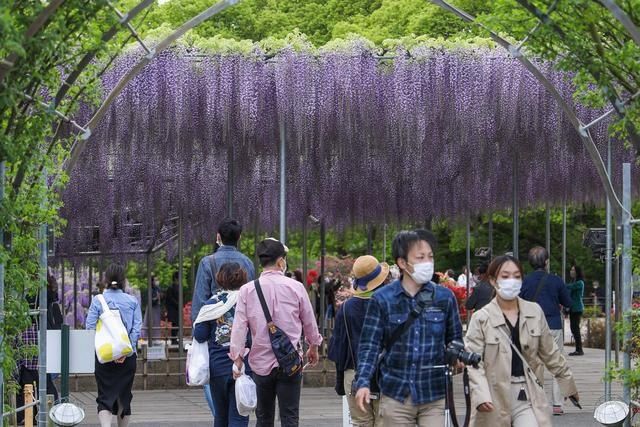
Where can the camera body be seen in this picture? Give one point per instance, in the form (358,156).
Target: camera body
(455,352)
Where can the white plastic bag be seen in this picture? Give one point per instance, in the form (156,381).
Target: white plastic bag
(198,363)
(246,396)
(111,340)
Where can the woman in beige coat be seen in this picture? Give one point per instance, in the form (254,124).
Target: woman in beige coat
(505,391)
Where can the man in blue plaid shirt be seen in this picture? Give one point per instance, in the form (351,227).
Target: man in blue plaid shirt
(412,389)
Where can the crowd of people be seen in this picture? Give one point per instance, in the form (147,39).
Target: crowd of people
(391,334)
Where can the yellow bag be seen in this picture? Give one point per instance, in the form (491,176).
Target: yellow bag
(112,340)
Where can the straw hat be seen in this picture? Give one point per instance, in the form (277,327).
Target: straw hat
(369,273)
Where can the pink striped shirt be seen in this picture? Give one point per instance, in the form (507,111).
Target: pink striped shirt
(290,310)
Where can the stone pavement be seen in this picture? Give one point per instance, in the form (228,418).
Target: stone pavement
(320,407)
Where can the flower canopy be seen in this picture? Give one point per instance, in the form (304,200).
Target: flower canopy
(431,133)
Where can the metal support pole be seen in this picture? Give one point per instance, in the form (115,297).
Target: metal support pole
(42,336)
(608,286)
(283,185)
(384,243)
(564,242)
(516,216)
(627,288)
(305,221)
(64,362)
(180,294)
(468,257)
(149,314)
(75,296)
(491,233)
(323,252)
(2,337)
(548,235)
(230,159)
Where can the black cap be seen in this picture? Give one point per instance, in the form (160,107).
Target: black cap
(271,249)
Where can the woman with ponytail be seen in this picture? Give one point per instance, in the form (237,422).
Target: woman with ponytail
(115,379)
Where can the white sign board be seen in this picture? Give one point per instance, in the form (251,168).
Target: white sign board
(346,415)
(156,352)
(81,351)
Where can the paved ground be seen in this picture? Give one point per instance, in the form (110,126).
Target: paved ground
(320,407)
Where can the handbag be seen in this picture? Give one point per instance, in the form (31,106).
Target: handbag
(111,339)
(287,356)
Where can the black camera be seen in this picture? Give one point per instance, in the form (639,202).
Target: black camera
(455,351)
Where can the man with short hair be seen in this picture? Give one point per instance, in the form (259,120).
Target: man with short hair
(228,236)
(550,292)
(412,380)
(291,311)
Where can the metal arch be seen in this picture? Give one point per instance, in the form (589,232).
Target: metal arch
(623,18)
(40,21)
(81,143)
(86,60)
(583,132)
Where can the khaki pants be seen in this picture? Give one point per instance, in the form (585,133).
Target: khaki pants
(398,414)
(557,399)
(369,418)
(522,414)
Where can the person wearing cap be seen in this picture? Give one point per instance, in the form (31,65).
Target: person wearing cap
(291,311)
(368,275)
(412,378)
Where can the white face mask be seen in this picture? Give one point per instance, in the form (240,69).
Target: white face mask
(422,273)
(509,289)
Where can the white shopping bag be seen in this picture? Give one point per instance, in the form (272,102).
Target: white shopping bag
(111,340)
(198,363)
(246,396)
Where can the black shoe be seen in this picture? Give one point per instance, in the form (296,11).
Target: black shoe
(577,353)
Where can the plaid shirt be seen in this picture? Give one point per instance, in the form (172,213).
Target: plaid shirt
(29,338)
(407,367)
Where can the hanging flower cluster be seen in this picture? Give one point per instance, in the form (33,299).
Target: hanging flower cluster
(432,133)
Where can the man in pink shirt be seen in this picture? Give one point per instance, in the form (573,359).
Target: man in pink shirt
(291,311)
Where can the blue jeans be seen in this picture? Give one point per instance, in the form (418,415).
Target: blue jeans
(223,389)
(209,399)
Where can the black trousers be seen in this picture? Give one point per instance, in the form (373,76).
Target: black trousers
(574,321)
(286,389)
(30,376)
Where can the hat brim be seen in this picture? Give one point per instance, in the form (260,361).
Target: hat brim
(376,281)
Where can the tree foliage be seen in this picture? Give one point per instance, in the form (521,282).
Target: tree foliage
(322,20)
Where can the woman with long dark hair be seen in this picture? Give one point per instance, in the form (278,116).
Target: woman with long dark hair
(514,340)
(213,325)
(576,289)
(115,379)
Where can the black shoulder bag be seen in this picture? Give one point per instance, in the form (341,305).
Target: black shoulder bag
(288,357)
(425,300)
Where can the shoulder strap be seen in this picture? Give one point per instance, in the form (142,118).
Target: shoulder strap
(516,351)
(346,328)
(541,283)
(263,303)
(425,299)
(103,303)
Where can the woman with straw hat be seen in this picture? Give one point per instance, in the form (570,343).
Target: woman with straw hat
(369,275)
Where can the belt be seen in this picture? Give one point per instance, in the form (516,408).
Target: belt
(518,380)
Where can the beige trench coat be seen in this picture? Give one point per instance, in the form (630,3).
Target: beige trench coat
(491,382)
